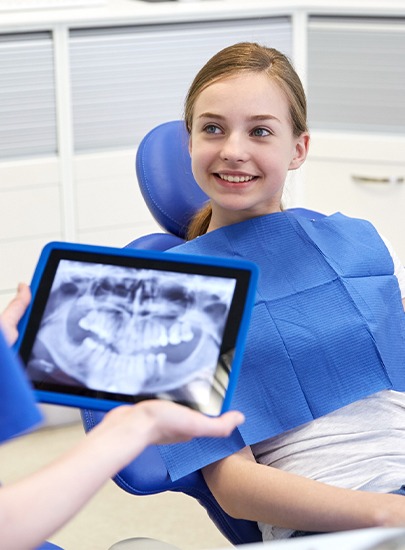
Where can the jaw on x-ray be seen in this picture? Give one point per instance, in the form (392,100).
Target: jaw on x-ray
(142,331)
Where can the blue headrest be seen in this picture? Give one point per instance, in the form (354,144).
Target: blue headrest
(163,168)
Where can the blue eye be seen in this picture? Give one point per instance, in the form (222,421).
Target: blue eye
(211,129)
(260,132)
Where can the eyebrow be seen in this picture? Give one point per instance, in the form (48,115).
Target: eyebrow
(253,118)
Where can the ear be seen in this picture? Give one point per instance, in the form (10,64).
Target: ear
(190,147)
(301,151)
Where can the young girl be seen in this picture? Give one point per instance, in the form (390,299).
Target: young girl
(321,383)
(35,507)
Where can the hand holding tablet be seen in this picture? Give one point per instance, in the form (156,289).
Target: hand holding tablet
(110,326)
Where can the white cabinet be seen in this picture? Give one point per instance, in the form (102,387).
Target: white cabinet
(356,74)
(126,80)
(31,209)
(356,91)
(110,210)
(31,214)
(364,188)
(27,95)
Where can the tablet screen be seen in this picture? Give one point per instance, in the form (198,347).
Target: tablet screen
(119,327)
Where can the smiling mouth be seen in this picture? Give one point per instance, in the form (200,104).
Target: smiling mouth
(235,179)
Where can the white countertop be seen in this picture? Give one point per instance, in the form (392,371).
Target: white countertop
(362,539)
(129,12)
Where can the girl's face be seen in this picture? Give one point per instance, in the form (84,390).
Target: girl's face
(242,147)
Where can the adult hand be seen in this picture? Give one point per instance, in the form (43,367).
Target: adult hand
(175,423)
(133,427)
(11,316)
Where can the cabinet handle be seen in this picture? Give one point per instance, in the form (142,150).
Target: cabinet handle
(371,179)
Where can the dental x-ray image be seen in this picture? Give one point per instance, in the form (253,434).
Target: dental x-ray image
(132,331)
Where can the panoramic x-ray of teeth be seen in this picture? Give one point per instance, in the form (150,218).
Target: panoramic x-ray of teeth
(132,331)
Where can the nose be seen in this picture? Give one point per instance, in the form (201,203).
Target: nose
(234,148)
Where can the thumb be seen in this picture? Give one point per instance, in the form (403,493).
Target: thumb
(11,316)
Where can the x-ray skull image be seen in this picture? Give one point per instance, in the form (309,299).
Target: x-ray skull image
(132,331)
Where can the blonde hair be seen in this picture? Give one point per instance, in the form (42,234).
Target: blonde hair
(246,57)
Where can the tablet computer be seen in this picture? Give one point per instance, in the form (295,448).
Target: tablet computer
(109,326)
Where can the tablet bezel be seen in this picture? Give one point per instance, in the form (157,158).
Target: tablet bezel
(231,351)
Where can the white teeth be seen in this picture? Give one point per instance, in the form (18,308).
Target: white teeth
(236,179)
(89,343)
(150,362)
(163,338)
(103,323)
(145,336)
(156,365)
(175,334)
(186,332)
(161,361)
(140,362)
(130,368)
(87,322)
(133,380)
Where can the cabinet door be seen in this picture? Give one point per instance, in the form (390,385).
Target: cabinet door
(356,74)
(30,216)
(356,98)
(126,80)
(373,191)
(110,207)
(27,95)
(30,205)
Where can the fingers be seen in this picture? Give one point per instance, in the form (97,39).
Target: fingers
(11,316)
(173,423)
(220,426)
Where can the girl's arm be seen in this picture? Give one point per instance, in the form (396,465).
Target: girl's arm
(35,507)
(248,490)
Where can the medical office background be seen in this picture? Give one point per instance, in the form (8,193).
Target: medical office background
(81,86)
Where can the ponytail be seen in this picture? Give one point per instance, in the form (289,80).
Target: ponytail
(200,222)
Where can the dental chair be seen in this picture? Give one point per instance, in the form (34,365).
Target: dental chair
(168,187)
(164,174)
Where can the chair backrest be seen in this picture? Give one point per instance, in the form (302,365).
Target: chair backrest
(163,168)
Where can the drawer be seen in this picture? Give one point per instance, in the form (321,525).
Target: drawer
(372,191)
(117,236)
(18,260)
(107,192)
(29,212)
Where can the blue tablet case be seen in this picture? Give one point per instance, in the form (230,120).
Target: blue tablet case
(89,253)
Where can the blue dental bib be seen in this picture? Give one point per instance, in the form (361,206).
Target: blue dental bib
(328,326)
